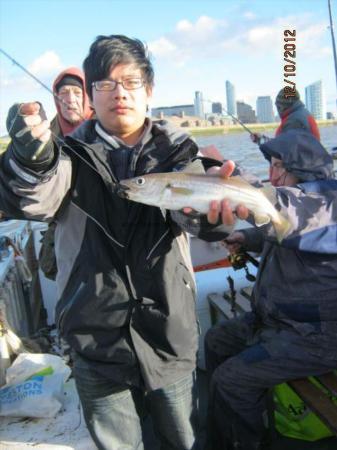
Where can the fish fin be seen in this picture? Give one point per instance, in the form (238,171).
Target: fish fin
(180,190)
(196,167)
(281,227)
(261,219)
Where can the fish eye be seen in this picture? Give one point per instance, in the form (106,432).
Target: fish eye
(140,181)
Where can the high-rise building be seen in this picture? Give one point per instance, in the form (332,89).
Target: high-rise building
(217,108)
(314,100)
(199,105)
(264,109)
(245,113)
(230,98)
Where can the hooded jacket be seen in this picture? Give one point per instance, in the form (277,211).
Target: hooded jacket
(59,126)
(125,281)
(294,115)
(297,290)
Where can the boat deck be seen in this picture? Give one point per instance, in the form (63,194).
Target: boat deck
(67,431)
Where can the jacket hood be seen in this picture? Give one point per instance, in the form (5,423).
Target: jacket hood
(65,126)
(302,155)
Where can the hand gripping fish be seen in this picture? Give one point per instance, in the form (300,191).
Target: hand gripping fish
(178,190)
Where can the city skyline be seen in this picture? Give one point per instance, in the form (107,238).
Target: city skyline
(313,101)
(193,48)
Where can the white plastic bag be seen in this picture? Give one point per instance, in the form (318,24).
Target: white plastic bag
(27,364)
(34,386)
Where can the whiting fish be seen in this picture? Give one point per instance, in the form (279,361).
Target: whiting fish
(177,190)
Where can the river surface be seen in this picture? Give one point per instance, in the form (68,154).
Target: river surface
(239,148)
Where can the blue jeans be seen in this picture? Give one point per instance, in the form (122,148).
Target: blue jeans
(115,414)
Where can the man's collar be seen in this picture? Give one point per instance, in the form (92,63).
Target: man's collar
(116,142)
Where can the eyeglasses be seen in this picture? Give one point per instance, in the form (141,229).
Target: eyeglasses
(109,85)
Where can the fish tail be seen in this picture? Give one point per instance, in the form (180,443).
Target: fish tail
(281,226)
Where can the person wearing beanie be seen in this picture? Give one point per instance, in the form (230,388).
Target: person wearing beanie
(293,115)
(73,108)
(71,101)
(291,331)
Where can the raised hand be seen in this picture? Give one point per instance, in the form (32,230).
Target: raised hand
(28,127)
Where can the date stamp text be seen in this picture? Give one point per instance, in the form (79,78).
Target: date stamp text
(289,58)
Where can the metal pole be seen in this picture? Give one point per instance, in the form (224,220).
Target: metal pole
(333,43)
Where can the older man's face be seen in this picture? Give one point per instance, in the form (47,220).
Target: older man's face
(71,105)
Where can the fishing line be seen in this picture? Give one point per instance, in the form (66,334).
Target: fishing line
(235,118)
(59,99)
(57,138)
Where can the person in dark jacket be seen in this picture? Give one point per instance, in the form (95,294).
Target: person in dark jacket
(73,107)
(125,280)
(292,329)
(293,115)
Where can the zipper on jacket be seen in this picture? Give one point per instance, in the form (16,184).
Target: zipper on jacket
(65,310)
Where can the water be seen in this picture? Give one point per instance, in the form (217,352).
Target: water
(239,148)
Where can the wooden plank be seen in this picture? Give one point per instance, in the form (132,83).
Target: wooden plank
(241,301)
(221,305)
(317,401)
(329,381)
(247,292)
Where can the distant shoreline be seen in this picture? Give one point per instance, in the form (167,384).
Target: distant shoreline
(255,127)
(215,130)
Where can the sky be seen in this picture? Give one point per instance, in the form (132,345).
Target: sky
(196,45)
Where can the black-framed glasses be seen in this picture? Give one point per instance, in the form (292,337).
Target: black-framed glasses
(109,85)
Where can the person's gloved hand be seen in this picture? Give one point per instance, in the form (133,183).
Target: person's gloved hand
(28,127)
(256,138)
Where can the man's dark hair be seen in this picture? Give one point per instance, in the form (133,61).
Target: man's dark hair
(107,52)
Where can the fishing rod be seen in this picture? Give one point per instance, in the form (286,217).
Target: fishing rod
(237,120)
(64,143)
(55,96)
(59,99)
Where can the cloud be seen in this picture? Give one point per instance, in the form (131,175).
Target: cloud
(46,64)
(309,40)
(184,25)
(208,37)
(45,67)
(162,47)
(189,39)
(248,15)
(258,35)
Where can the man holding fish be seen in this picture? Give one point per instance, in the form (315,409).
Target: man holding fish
(292,329)
(125,280)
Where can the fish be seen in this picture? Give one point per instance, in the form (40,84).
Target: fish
(193,189)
